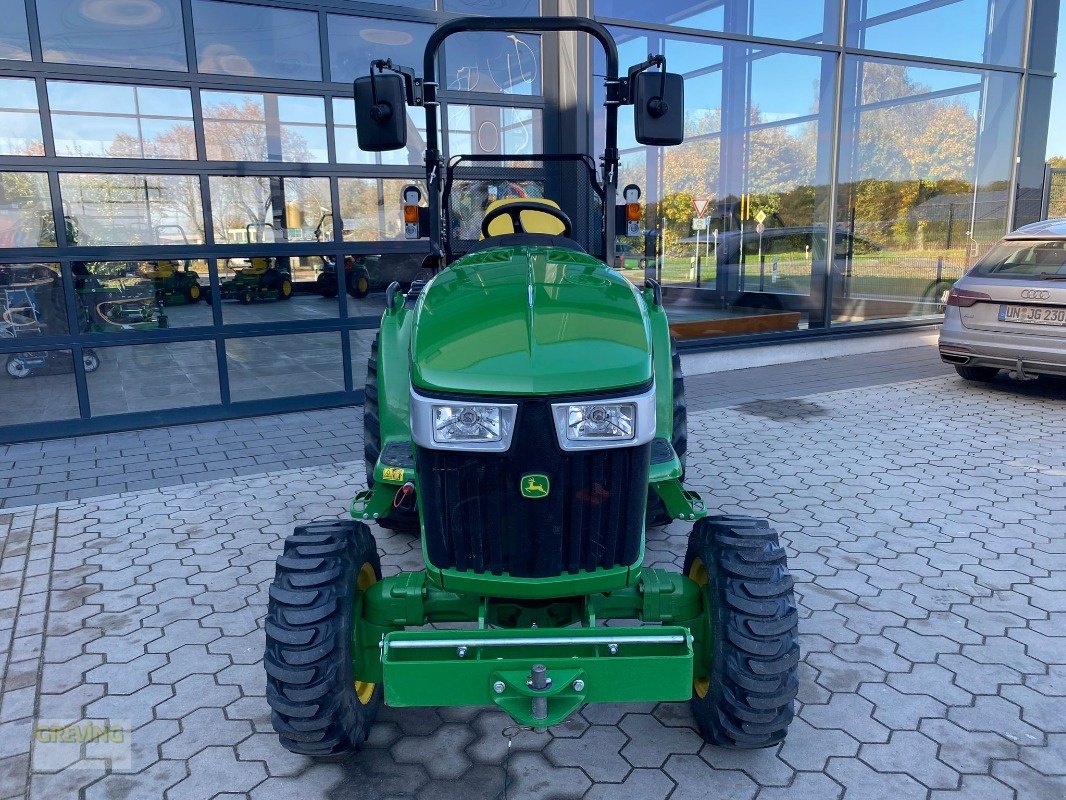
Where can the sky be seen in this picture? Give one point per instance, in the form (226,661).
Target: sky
(1056,137)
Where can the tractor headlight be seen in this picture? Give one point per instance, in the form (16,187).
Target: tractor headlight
(455,425)
(601,421)
(621,422)
(467,424)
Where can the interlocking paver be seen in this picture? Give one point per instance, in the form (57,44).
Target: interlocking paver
(929,575)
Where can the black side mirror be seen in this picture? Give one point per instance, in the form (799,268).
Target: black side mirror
(380,113)
(659,108)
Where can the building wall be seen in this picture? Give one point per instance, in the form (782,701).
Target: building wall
(141,142)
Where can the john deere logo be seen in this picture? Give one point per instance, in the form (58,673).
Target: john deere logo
(535,486)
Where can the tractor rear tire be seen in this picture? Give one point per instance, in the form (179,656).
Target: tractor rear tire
(657,515)
(398,519)
(318,705)
(746,699)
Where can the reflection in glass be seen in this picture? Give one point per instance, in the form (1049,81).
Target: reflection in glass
(372,208)
(39,385)
(494,129)
(979,31)
(755,163)
(778,19)
(102,120)
(20,124)
(259,41)
(125,296)
(510,8)
(257,288)
(31,301)
(348,151)
(154,377)
(146,34)
(356,41)
(251,210)
(494,62)
(14,38)
(924,170)
(112,209)
(26,210)
(243,126)
(262,367)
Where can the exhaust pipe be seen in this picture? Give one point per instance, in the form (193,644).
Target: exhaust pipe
(955,358)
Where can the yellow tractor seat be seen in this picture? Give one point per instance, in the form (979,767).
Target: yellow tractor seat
(532,221)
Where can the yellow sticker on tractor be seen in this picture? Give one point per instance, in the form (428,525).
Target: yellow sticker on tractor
(392,474)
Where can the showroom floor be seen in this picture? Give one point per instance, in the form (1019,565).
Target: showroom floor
(926,525)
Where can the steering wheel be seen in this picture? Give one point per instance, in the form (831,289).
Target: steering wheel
(514,211)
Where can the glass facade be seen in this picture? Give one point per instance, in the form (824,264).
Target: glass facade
(188,229)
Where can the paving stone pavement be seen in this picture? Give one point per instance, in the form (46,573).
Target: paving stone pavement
(926,527)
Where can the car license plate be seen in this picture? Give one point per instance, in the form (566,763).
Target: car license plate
(1033,315)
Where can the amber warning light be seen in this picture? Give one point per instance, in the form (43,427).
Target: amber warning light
(634,211)
(412,196)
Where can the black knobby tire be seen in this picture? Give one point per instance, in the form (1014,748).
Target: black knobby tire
(657,514)
(746,699)
(317,706)
(398,519)
(980,374)
(326,284)
(359,283)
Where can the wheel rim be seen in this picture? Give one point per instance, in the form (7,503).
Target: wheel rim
(286,288)
(194,292)
(364,286)
(698,574)
(90,362)
(366,578)
(17,368)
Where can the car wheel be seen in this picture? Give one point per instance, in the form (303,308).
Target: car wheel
(17,367)
(980,374)
(90,361)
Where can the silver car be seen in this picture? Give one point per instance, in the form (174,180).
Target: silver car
(1009,310)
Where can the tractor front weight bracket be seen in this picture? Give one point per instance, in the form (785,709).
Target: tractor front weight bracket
(494,660)
(680,502)
(372,504)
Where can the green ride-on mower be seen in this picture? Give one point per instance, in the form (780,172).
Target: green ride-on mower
(175,284)
(262,279)
(525,414)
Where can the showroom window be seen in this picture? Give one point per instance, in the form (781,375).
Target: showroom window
(922,189)
(812,20)
(14,37)
(26,210)
(100,120)
(267,210)
(20,123)
(356,41)
(148,34)
(245,126)
(256,41)
(123,209)
(980,31)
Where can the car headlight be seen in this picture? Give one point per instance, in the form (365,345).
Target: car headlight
(457,425)
(611,422)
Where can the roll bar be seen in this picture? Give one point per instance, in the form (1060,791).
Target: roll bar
(429,85)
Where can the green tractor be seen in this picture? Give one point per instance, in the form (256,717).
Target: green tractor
(175,284)
(525,414)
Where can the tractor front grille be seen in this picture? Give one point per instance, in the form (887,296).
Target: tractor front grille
(475,517)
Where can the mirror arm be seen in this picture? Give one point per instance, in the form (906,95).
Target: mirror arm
(412,85)
(627,83)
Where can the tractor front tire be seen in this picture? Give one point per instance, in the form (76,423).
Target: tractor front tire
(318,706)
(745,700)
(399,519)
(656,514)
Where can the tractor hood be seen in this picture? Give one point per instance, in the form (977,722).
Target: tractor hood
(530,320)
